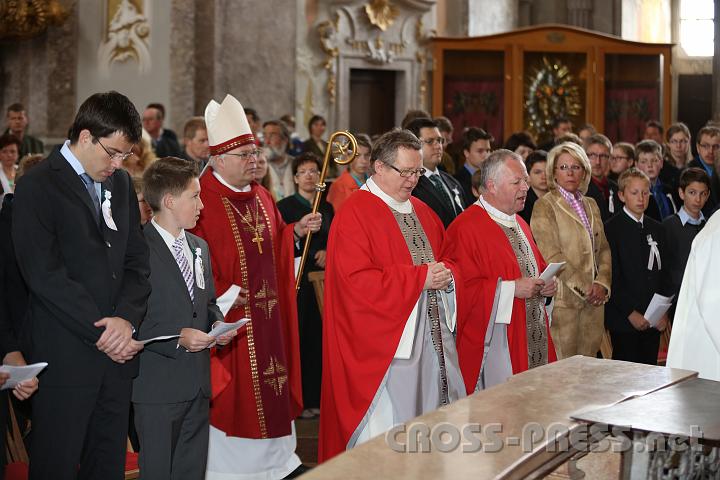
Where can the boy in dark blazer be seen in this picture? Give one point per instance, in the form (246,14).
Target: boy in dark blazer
(171,395)
(77,238)
(639,270)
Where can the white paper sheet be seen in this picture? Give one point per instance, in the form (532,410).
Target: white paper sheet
(20,374)
(226,300)
(222,328)
(657,308)
(551,271)
(157,339)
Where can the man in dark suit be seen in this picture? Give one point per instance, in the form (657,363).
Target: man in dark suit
(164,141)
(708,147)
(171,394)
(477,145)
(437,189)
(86,266)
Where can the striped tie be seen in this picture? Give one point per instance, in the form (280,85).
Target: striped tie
(184,265)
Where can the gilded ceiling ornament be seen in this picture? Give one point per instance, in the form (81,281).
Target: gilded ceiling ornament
(20,19)
(126,38)
(381,13)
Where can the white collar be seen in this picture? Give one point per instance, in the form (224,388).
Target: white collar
(246,188)
(372,187)
(685,217)
(167,236)
(499,217)
(629,214)
(429,173)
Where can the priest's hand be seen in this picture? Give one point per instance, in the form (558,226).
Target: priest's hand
(438,276)
(309,223)
(118,333)
(528,287)
(662,323)
(242,298)
(320,258)
(194,340)
(23,390)
(639,322)
(550,288)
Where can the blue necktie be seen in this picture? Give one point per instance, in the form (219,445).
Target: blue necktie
(90,186)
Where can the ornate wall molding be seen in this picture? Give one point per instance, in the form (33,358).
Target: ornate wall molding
(126,34)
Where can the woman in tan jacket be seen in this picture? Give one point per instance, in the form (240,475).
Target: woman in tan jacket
(568,228)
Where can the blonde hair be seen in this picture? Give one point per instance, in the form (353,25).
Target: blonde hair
(628,175)
(577,153)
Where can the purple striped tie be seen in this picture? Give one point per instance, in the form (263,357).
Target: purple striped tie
(184,265)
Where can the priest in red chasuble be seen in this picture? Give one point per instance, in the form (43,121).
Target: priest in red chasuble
(388,348)
(500,265)
(256,391)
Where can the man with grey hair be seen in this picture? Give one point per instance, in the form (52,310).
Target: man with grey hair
(388,348)
(499,289)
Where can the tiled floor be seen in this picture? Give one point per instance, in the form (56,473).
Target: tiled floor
(307,440)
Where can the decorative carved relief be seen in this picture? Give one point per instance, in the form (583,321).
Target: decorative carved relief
(329,42)
(381,13)
(127,32)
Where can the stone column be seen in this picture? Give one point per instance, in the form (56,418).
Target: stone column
(716,67)
(486,17)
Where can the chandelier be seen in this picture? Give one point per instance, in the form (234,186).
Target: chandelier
(22,19)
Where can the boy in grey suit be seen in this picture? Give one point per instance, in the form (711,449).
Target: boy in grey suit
(171,394)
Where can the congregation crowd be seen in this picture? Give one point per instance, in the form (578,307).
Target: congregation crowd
(427,240)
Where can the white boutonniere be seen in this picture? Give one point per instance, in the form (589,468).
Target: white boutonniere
(107,211)
(199,271)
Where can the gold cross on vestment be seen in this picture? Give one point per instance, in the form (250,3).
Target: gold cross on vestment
(268,299)
(258,240)
(276,375)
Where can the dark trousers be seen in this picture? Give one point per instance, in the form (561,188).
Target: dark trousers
(173,439)
(80,432)
(637,346)
(3,428)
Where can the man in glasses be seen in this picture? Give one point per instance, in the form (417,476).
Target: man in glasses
(77,238)
(256,389)
(388,348)
(440,191)
(708,148)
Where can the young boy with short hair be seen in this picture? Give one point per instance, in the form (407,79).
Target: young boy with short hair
(649,159)
(171,394)
(682,227)
(637,244)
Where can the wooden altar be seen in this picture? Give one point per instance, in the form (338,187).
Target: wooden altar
(521,79)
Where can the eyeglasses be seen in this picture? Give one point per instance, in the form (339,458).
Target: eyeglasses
(707,146)
(408,173)
(565,167)
(245,155)
(681,141)
(307,173)
(432,141)
(120,156)
(601,156)
(617,158)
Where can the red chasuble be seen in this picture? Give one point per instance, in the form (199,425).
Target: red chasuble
(256,389)
(482,253)
(371,287)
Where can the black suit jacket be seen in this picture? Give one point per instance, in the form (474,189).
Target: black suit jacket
(169,374)
(77,269)
(465,178)
(167,145)
(14,299)
(633,285)
(426,192)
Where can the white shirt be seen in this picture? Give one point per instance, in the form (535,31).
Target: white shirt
(220,179)
(170,240)
(631,215)
(686,218)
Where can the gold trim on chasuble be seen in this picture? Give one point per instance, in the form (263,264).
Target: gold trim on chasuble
(251,342)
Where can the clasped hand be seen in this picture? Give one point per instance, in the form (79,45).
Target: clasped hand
(438,276)
(528,287)
(116,341)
